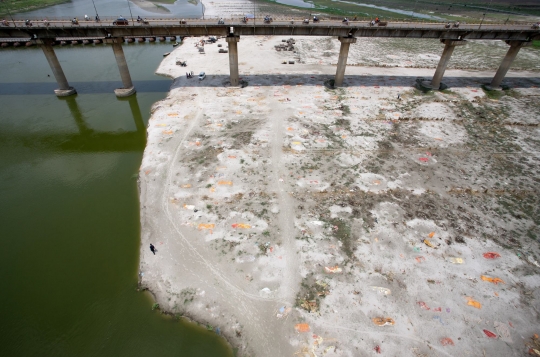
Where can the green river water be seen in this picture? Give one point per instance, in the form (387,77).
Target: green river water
(70,213)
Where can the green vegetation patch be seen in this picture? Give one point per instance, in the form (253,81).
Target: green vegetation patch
(342,231)
(15,6)
(166,1)
(311,291)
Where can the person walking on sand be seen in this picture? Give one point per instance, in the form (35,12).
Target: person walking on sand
(152,248)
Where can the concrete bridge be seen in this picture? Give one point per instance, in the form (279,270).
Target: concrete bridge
(44,33)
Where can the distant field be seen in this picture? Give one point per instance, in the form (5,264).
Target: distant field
(163,1)
(13,6)
(460,10)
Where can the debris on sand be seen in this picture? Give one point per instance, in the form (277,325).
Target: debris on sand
(491,255)
(383,321)
(492,280)
(379,289)
(333,270)
(473,303)
(302,327)
(447,341)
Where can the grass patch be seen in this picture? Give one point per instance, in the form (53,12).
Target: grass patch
(188,295)
(342,231)
(493,94)
(26,5)
(498,94)
(311,291)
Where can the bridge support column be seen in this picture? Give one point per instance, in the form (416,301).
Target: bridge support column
(449,46)
(64,89)
(232,41)
(515,46)
(342,61)
(128,88)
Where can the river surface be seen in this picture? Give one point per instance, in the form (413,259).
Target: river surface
(70,213)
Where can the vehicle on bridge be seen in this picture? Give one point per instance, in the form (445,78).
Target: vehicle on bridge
(221,22)
(378,23)
(535,26)
(142,21)
(4,22)
(316,19)
(306,21)
(267,19)
(28,23)
(121,21)
(74,21)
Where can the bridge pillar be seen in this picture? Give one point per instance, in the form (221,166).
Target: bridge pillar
(128,88)
(342,61)
(64,89)
(449,46)
(232,41)
(515,46)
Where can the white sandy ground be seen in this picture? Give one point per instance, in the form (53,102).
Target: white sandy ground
(243,189)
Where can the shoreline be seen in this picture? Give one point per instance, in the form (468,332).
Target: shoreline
(221,186)
(151,6)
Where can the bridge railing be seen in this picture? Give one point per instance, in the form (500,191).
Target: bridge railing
(259,20)
(233,21)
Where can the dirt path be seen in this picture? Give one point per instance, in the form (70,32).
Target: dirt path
(287,231)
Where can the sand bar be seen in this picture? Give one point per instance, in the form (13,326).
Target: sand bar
(305,221)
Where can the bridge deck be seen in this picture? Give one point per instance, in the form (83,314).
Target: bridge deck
(172,27)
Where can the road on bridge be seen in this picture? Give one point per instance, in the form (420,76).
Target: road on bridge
(152,23)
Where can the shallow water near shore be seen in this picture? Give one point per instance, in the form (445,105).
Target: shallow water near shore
(70,211)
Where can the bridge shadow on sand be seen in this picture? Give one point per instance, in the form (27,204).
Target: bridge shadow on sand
(266,80)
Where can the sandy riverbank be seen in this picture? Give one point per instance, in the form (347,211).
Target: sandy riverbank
(228,9)
(286,206)
(151,6)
